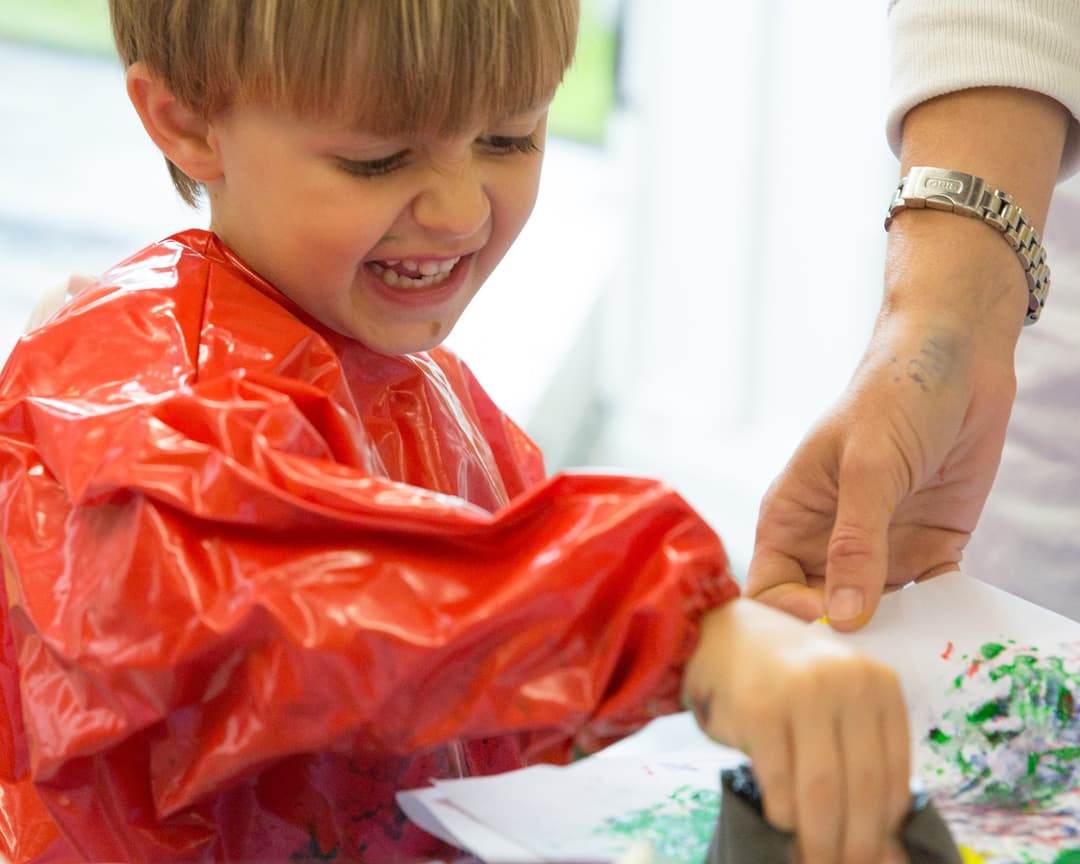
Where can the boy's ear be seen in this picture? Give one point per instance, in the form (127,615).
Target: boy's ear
(180,133)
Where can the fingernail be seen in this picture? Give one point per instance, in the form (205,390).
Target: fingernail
(845,604)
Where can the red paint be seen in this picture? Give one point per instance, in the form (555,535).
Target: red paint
(947,653)
(972,669)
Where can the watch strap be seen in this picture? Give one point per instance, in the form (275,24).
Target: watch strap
(968,195)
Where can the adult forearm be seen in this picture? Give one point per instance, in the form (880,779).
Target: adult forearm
(947,268)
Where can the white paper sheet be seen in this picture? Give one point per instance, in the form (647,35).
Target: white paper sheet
(590,811)
(430,810)
(593,810)
(919,629)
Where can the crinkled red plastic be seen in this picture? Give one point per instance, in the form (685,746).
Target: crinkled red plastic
(259,578)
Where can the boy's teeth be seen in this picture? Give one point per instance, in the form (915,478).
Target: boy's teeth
(429,272)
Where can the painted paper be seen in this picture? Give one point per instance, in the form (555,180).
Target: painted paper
(993,686)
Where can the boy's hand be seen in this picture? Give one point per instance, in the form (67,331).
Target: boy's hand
(825,726)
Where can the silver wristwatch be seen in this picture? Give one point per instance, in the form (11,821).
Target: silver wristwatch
(968,195)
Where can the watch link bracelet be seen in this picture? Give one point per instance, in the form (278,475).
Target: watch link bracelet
(968,195)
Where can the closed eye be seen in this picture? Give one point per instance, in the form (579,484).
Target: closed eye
(511,143)
(373,167)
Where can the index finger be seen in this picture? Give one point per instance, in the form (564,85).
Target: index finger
(778,580)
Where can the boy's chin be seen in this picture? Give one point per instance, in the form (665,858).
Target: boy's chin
(400,347)
(395,338)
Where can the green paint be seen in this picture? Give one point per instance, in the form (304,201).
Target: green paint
(991,650)
(1069,856)
(679,827)
(939,737)
(988,711)
(1021,746)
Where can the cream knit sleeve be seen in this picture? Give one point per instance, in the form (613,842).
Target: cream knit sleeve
(938,46)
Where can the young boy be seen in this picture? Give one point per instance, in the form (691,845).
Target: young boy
(272,555)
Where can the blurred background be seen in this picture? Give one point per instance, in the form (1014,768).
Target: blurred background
(701,272)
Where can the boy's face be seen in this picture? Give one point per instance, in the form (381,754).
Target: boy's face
(385,240)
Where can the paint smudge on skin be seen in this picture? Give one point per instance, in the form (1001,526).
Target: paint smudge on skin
(678,828)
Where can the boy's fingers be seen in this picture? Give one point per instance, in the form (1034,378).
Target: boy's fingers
(866,779)
(770,746)
(895,854)
(897,752)
(819,785)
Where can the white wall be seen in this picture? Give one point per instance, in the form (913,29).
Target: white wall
(80,183)
(753,150)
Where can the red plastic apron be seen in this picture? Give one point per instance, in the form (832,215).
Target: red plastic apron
(259,578)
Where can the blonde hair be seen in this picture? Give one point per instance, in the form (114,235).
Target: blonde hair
(390,66)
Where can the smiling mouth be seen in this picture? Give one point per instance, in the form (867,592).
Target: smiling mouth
(413,275)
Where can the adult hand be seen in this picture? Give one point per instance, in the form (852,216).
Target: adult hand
(825,726)
(889,485)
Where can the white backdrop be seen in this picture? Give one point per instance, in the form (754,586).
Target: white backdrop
(754,152)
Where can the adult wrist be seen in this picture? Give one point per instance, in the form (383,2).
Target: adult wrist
(954,272)
(967,195)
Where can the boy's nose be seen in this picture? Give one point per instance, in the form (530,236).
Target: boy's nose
(454,203)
